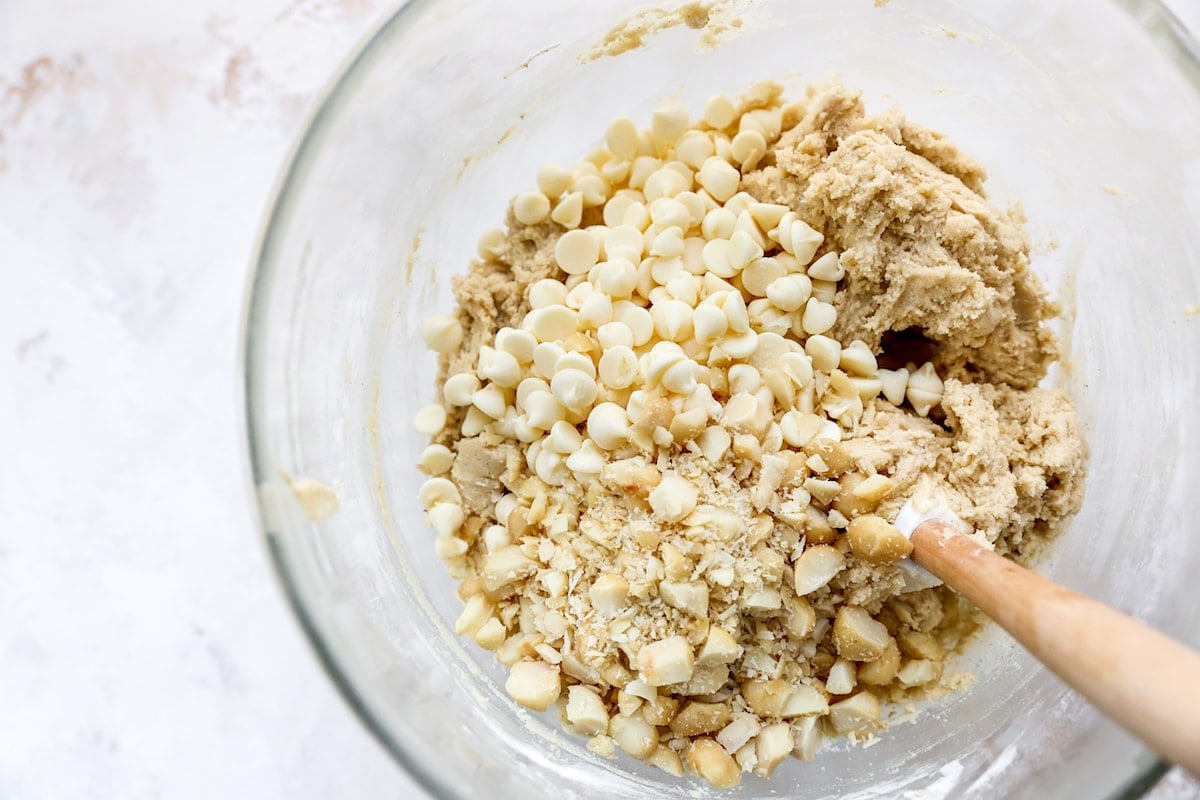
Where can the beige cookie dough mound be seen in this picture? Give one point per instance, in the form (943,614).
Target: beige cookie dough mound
(931,264)
(664,458)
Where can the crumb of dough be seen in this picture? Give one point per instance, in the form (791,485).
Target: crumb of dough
(714,19)
(317,500)
(694,580)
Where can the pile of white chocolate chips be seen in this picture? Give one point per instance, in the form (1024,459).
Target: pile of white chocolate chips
(665,453)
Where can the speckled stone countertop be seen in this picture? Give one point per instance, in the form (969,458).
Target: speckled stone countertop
(145,648)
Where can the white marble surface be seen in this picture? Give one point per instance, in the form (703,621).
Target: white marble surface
(145,649)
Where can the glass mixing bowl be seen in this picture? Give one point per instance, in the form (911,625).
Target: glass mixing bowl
(1086,115)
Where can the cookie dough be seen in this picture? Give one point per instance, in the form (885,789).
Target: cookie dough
(686,390)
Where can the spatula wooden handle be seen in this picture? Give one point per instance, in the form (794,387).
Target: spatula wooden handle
(1144,680)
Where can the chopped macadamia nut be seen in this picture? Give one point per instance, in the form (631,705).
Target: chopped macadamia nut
(696,718)
(874,539)
(534,684)
(773,744)
(882,670)
(919,672)
(842,677)
(634,735)
(667,760)
(710,761)
(858,714)
(586,711)
(673,499)
(858,636)
(816,567)
(665,662)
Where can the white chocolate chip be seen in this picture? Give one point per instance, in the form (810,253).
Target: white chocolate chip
(531,208)
(625,242)
(618,367)
(547,292)
(491,244)
(618,277)
(475,421)
(459,390)
(436,459)
(569,210)
(542,409)
(669,213)
(758,276)
(718,224)
(895,384)
(430,420)
(442,333)
(818,317)
(608,425)
(445,518)
(576,252)
(553,180)
(680,377)
(552,323)
(664,182)
(827,268)
(715,257)
(719,178)
(545,358)
(640,322)
(669,121)
(490,400)
(501,367)
(767,215)
(747,148)
(622,138)
(719,111)
(694,148)
(672,320)
(857,359)
(789,292)
(596,310)
(574,388)
(517,343)
(709,324)
(924,389)
(824,351)
(804,240)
